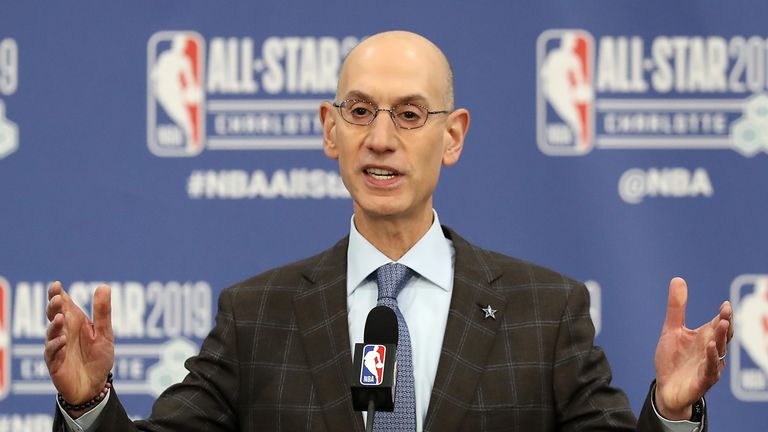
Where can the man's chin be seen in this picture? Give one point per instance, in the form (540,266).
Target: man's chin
(390,210)
(380,212)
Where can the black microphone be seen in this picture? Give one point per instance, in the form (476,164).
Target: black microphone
(373,374)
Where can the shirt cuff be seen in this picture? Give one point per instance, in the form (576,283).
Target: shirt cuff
(676,425)
(85,422)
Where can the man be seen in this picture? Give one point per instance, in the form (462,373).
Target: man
(517,343)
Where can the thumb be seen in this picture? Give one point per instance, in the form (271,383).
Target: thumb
(678,298)
(102,310)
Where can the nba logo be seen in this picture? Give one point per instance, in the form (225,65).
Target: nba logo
(5,338)
(565,114)
(749,347)
(372,369)
(175,97)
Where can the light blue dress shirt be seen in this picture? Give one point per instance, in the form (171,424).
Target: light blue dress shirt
(424,301)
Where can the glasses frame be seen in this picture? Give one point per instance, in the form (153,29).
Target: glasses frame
(391,112)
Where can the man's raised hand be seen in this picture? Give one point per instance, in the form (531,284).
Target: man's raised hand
(688,362)
(79,352)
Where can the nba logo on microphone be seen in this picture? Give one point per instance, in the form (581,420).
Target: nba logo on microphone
(748,353)
(372,369)
(175,96)
(565,108)
(5,338)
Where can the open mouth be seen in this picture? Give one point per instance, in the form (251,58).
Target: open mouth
(381,174)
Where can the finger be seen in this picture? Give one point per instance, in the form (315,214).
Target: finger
(727,310)
(102,310)
(721,335)
(711,367)
(678,298)
(54,289)
(55,328)
(52,349)
(55,306)
(65,300)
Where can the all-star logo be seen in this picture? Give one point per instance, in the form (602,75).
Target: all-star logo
(665,92)
(229,93)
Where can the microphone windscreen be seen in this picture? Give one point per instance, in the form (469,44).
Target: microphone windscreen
(381,326)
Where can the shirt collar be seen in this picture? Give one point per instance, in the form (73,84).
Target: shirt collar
(431,257)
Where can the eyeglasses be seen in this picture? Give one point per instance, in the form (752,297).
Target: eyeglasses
(405,116)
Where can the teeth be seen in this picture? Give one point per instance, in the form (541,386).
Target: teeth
(379,173)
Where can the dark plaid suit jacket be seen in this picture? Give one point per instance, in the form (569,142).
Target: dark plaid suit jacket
(279,357)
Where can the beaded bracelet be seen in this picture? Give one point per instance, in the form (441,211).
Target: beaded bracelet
(85,405)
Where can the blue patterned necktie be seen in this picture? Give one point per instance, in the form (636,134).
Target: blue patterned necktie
(391,279)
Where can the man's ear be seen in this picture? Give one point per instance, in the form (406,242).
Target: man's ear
(328,118)
(456,128)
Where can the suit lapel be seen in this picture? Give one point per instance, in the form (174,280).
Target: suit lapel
(468,338)
(321,315)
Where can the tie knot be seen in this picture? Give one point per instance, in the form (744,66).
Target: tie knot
(391,278)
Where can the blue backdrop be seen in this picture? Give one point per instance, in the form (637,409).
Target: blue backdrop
(172,149)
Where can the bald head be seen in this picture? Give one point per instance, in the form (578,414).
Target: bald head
(396,50)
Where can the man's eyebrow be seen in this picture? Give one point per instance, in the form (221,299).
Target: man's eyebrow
(412,98)
(356,94)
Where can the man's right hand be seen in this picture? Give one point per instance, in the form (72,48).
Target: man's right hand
(79,352)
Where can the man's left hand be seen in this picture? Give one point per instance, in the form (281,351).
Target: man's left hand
(688,362)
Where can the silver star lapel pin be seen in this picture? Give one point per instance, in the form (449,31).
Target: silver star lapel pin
(489,312)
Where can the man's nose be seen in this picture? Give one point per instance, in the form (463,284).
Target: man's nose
(383,133)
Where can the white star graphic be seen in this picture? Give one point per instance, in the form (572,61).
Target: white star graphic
(489,312)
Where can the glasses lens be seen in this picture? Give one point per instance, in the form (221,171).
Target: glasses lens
(410,116)
(358,112)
